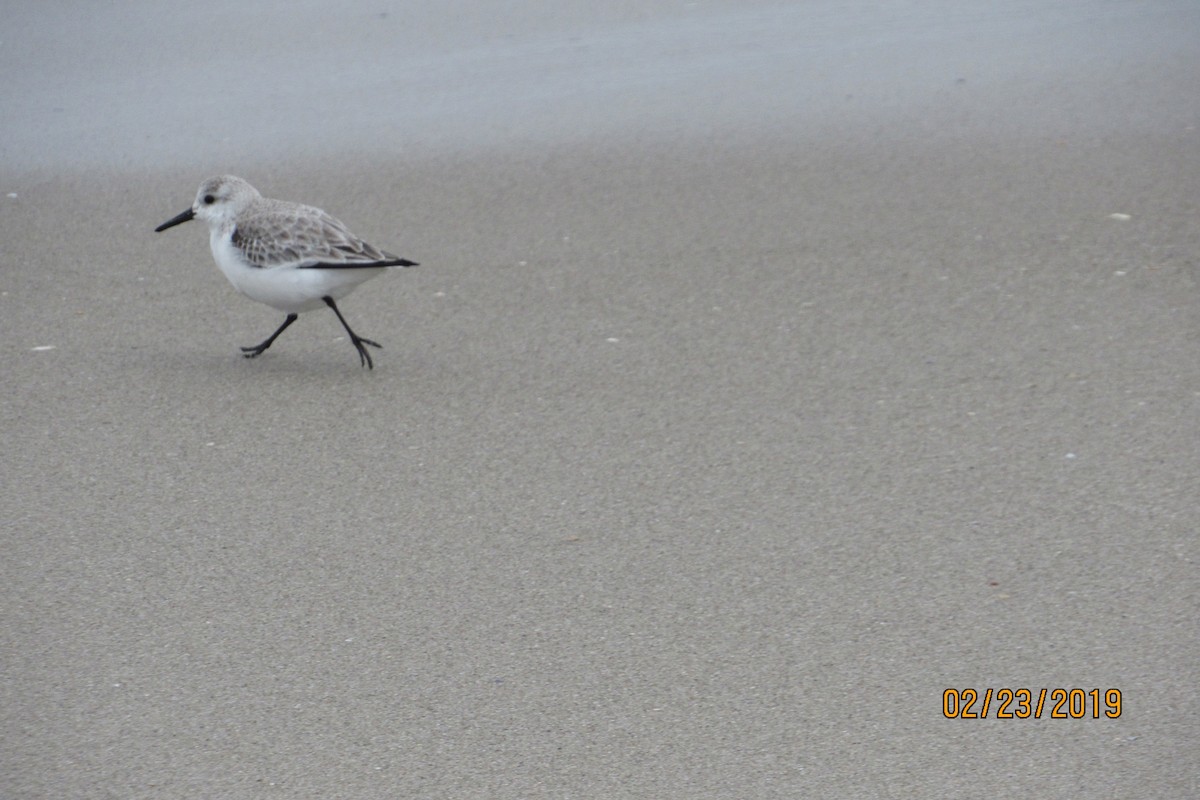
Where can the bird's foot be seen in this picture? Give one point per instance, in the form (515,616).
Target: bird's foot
(364,357)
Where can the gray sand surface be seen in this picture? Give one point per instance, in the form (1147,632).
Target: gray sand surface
(771,369)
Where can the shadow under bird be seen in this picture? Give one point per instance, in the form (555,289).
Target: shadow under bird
(290,256)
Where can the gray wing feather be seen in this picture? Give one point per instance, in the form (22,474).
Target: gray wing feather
(295,236)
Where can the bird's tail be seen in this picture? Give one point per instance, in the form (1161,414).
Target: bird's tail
(396,261)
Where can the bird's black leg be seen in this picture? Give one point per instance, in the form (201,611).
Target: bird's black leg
(251,352)
(363,356)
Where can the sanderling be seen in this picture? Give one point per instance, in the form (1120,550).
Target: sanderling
(290,256)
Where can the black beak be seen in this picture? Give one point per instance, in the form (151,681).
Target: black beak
(173,221)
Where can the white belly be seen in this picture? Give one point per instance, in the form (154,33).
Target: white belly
(286,288)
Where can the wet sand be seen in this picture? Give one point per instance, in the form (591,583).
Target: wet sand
(699,461)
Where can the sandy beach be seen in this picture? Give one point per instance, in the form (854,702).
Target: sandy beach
(770,370)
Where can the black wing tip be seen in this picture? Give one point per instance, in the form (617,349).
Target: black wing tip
(394,262)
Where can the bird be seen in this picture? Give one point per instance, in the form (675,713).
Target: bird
(292,257)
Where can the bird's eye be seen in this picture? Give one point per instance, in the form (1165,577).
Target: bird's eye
(209,199)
